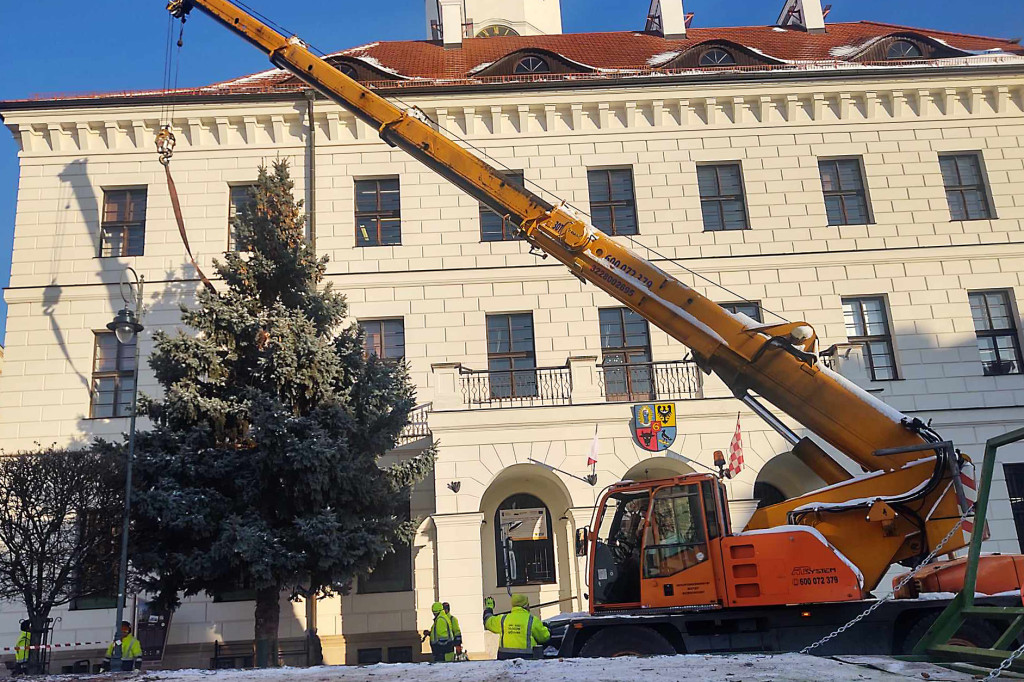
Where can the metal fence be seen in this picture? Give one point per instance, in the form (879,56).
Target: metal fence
(516,388)
(635,382)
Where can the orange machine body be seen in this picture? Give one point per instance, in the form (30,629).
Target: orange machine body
(676,534)
(997,573)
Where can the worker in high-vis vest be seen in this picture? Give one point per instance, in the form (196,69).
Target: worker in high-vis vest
(521,632)
(21,649)
(445,635)
(131,650)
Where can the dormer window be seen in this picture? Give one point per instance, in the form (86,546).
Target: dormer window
(347,69)
(903,49)
(716,56)
(532,64)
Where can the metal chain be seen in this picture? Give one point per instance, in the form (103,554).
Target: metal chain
(1005,665)
(896,588)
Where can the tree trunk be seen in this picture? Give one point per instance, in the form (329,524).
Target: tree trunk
(37,656)
(314,648)
(268,616)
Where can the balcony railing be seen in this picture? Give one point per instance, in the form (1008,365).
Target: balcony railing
(637,382)
(516,388)
(417,427)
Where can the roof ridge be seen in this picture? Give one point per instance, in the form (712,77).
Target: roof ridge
(933,30)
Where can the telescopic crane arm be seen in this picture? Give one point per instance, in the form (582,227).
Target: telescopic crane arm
(776,363)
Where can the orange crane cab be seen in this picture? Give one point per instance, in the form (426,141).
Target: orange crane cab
(668,544)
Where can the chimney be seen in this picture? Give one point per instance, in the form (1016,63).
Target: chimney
(805,14)
(451,21)
(667,18)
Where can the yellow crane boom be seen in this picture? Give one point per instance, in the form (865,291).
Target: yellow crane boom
(771,362)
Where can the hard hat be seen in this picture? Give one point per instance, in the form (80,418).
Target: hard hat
(520,600)
(125,625)
(436,608)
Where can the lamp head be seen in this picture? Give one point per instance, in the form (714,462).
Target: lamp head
(125,325)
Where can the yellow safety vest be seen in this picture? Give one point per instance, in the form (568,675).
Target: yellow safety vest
(520,631)
(21,648)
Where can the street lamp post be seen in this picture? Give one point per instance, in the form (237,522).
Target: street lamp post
(125,326)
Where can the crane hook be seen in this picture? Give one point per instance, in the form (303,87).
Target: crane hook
(165,144)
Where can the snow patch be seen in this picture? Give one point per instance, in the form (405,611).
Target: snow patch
(881,407)
(375,63)
(252,78)
(744,319)
(478,68)
(663,58)
(361,48)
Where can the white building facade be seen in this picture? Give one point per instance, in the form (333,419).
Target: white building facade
(872,188)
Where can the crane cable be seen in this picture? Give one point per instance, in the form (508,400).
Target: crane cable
(165,139)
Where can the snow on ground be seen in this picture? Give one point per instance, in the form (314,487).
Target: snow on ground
(740,668)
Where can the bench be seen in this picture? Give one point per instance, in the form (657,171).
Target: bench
(243,654)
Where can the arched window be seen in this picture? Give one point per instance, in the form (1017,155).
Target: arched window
(524,546)
(903,49)
(347,69)
(716,56)
(532,64)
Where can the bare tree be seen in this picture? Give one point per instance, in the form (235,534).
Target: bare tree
(59,516)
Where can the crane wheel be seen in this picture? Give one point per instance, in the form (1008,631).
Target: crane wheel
(975,632)
(626,641)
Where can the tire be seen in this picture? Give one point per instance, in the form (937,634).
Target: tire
(973,633)
(626,641)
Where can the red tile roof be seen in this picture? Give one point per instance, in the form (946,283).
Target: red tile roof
(422,62)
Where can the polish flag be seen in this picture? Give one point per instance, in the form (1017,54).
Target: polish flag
(592,459)
(736,450)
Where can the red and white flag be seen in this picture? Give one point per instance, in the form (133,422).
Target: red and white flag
(592,459)
(736,450)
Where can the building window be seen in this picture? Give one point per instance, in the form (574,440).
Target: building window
(867,323)
(842,183)
(511,362)
(493,226)
(123,229)
(996,327)
(523,542)
(751,309)
(239,197)
(626,355)
(113,376)
(384,338)
(721,197)
(378,213)
(612,201)
(1015,488)
(716,56)
(393,573)
(347,69)
(369,656)
(903,49)
(532,64)
(96,576)
(965,187)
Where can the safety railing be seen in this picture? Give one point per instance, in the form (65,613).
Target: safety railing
(637,382)
(526,387)
(417,427)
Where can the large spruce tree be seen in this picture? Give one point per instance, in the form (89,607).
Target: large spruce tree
(261,470)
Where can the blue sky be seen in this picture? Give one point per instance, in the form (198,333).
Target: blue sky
(63,46)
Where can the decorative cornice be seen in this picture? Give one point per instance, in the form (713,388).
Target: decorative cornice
(234,128)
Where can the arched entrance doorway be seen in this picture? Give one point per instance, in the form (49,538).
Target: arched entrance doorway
(527,528)
(657,467)
(783,477)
